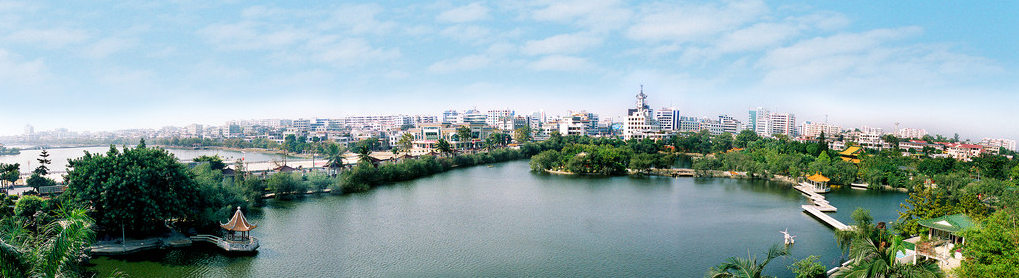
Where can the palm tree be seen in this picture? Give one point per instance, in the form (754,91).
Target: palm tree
(463,136)
(872,251)
(57,250)
(443,146)
(406,142)
(334,161)
(872,259)
(364,152)
(746,267)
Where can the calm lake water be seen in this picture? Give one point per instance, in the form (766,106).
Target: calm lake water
(507,221)
(59,157)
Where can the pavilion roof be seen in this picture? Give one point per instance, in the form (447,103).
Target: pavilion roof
(238,223)
(854,150)
(818,178)
(284,168)
(950,223)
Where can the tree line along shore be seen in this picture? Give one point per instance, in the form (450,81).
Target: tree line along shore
(143,191)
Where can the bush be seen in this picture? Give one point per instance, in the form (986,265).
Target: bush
(27,206)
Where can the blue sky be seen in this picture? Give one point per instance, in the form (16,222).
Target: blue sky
(102,65)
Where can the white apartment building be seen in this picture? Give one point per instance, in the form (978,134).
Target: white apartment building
(474,116)
(499,118)
(813,130)
(766,123)
(729,124)
(640,122)
(870,137)
(668,118)
(911,133)
(1008,144)
(452,117)
(690,124)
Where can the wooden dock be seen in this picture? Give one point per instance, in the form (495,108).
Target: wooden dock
(817,200)
(675,172)
(248,244)
(812,210)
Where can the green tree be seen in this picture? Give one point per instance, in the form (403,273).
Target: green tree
(215,162)
(643,163)
(871,259)
(406,142)
(9,173)
(37,181)
(463,136)
(872,251)
(522,135)
(58,250)
(546,160)
(27,206)
(924,202)
(364,151)
(44,159)
(285,185)
(808,268)
(891,140)
(443,146)
(992,249)
(722,142)
(746,267)
(138,188)
(744,138)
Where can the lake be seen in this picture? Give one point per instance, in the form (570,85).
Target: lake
(507,221)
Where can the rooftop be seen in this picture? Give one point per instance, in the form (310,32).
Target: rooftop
(950,223)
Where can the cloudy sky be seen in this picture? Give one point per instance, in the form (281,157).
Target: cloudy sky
(944,66)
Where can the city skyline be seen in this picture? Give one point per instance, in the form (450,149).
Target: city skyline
(947,69)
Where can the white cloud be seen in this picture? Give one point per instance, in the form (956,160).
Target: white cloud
(246,35)
(685,23)
(836,45)
(467,33)
(359,19)
(598,15)
(873,59)
(49,38)
(561,44)
(16,71)
(471,62)
(561,63)
(352,51)
(757,36)
(108,46)
(471,12)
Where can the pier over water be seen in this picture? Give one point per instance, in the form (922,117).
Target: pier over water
(818,206)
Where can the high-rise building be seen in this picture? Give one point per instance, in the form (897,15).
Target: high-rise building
(813,130)
(451,117)
(474,116)
(640,122)
(499,118)
(668,118)
(729,124)
(766,123)
(758,121)
(783,123)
